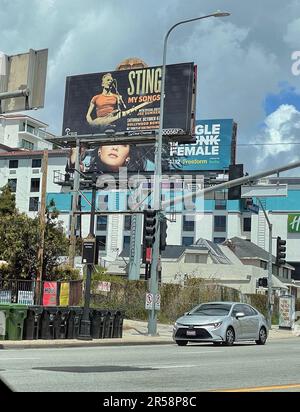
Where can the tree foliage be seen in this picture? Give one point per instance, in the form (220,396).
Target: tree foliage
(20,239)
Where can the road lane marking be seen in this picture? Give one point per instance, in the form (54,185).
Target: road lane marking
(259,388)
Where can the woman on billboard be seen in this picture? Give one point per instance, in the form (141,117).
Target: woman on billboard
(110,158)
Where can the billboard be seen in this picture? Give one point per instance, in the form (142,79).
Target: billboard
(129,101)
(212,151)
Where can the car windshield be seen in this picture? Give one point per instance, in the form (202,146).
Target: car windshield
(210,310)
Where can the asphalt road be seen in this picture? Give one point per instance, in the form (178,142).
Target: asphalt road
(155,368)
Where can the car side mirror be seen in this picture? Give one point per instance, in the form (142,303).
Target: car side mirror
(240,315)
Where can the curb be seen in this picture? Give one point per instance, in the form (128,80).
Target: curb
(78,344)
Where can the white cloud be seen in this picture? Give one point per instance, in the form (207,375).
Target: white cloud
(282,131)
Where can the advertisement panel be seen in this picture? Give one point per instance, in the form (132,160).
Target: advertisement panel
(50,294)
(211,151)
(64,294)
(294,223)
(129,101)
(286,311)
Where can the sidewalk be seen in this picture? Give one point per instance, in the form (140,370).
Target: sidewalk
(134,333)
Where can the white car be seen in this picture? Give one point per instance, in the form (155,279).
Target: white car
(221,323)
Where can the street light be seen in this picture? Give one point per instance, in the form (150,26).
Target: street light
(152,325)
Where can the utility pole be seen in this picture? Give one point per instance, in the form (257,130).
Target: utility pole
(38,286)
(74,217)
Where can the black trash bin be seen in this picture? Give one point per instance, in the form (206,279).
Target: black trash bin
(32,322)
(60,323)
(49,323)
(73,322)
(118,324)
(109,324)
(98,323)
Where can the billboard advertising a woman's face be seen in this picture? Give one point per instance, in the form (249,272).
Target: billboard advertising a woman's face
(211,151)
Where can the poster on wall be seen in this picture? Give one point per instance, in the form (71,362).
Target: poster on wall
(50,294)
(64,294)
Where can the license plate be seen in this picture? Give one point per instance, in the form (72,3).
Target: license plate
(190,333)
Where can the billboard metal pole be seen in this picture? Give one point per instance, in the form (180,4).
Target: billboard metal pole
(152,324)
(76,183)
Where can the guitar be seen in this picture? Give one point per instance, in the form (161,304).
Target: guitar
(115,115)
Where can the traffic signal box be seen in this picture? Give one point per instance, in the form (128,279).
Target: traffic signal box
(150,217)
(280,251)
(163,234)
(235,172)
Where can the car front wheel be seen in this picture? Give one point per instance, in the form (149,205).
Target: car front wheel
(262,337)
(181,342)
(230,337)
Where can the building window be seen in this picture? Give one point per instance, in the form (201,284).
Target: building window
(101,222)
(247,224)
(13,164)
(187,240)
(33,204)
(101,241)
(12,183)
(127,223)
(35,184)
(220,223)
(219,239)
(102,202)
(27,145)
(220,204)
(126,240)
(285,273)
(188,224)
(36,163)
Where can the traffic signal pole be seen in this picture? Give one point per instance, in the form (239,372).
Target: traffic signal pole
(270,263)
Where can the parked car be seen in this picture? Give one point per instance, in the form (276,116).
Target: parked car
(221,323)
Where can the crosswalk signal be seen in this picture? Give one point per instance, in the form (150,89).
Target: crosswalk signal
(263,282)
(280,251)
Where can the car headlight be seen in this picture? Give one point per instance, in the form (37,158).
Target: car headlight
(215,324)
(176,325)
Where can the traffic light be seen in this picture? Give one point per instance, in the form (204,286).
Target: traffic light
(149,227)
(280,251)
(235,172)
(263,282)
(163,234)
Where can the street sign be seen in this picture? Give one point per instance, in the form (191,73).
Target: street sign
(264,191)
(149,301)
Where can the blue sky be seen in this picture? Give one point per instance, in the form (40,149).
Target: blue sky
(288,95)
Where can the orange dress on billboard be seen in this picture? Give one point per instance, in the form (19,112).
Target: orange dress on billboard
(105,104)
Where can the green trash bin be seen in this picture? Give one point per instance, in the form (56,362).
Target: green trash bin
(4,315)
(15,321)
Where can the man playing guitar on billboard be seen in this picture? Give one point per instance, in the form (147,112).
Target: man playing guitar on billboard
(108,104)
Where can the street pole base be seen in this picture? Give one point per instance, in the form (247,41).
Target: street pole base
(85,330)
